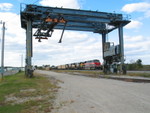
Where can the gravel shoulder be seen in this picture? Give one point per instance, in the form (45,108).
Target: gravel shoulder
(80,94)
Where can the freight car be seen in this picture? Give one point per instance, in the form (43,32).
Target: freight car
(61,67)
(86,65)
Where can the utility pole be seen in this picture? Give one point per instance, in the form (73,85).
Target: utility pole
(21,61)
(2,52)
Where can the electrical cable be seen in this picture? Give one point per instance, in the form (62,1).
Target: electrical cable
(35,2)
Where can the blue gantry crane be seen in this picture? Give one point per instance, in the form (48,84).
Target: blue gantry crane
(47,19)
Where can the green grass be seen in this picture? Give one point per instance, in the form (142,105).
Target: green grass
(14,83)
(97,73)
(140,74)
(17,85)
(84,72)
(11,108)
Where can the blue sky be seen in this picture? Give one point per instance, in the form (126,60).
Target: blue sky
(77,46)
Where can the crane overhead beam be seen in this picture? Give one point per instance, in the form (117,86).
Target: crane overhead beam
(81,20)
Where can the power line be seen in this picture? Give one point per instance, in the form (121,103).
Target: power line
(35,1)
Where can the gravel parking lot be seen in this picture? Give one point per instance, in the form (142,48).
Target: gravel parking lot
(80,94)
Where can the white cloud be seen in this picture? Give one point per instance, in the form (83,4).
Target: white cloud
(137,47)
(12,58)
(14,38)
(143,7)
(147,14)
(61,3)
(134,38)
(138,41)
(5,6)
(134,24)
(75,47)
(136,7)
(14,32)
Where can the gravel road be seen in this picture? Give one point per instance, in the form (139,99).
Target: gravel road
(79,94)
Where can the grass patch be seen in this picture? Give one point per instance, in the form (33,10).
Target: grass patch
(26,95)
(11,108)
(84,72)
(97,73)
(140,74)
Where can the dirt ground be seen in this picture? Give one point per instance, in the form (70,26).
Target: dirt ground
(80,94)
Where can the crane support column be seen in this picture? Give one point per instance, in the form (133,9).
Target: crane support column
(103,42)
(28,68)
(121,43)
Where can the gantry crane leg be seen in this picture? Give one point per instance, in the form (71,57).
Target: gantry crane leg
(121,43)
(28,67)
(105,68)
(120,57)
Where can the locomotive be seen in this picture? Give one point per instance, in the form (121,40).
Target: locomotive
(86,65)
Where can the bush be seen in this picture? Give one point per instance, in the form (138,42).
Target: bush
(135,65)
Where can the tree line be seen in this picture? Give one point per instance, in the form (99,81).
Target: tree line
(137,65)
